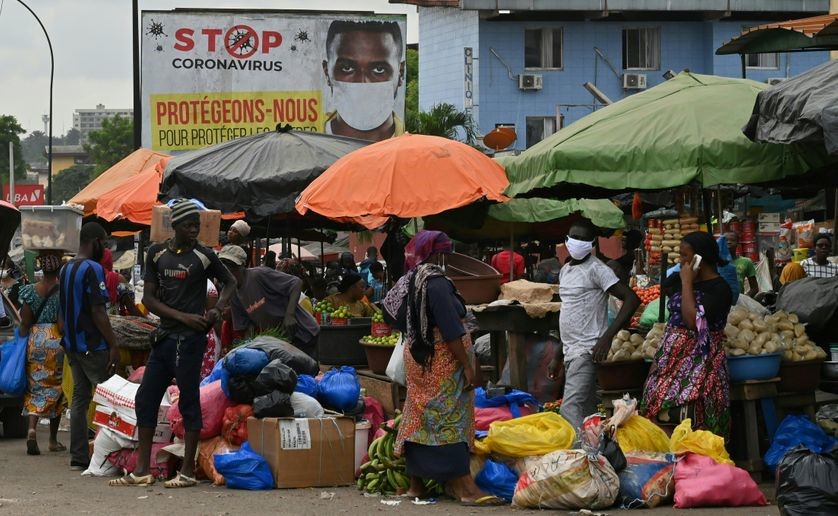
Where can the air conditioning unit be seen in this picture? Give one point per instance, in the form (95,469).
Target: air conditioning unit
(634,81)
(775,80)
(529,81)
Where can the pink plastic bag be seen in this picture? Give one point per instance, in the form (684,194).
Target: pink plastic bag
(126,460)
(702,482)
(374,413)
(213,405)
(483,417)
(137,375)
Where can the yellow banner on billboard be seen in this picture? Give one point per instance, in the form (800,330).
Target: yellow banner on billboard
(186,121)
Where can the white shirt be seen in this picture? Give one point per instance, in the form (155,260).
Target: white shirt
(584,315)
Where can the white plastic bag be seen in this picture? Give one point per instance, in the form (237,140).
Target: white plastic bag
(305,406)
(107,441)
(395,368)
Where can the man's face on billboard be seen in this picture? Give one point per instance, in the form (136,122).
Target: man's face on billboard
(361,56)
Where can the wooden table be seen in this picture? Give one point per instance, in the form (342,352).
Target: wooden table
(750,393)
(516,324)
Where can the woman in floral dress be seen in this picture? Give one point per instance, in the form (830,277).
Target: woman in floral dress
(437,427)
(45,357)
(689,378)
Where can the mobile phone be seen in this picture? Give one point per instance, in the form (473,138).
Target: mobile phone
(696,262)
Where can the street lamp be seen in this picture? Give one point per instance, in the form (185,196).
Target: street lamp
(51,76)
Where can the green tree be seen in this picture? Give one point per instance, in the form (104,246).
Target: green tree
(73,137)
(111,143)
(444,120)
(10,131)
(411,98)
(33,147)
(69,182)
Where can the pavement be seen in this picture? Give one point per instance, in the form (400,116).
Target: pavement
(45,485)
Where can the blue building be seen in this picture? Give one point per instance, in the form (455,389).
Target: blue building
(524,63)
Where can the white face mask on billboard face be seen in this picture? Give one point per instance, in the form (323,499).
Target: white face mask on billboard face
(364,105)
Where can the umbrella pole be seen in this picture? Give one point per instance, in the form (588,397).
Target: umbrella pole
(835,225)
(322,258)
(719,206)
(299,253)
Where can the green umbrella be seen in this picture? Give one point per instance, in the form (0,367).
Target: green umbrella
(687,129)
(545,219)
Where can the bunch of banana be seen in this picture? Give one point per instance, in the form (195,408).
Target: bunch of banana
(384,472)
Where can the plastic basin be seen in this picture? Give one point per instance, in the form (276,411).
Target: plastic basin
(753,367)
(340,345)
(378,356)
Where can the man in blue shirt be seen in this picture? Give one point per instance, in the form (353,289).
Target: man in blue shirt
(88,341)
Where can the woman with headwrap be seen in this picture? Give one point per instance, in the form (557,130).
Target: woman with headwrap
(689,377)
(44,355)
(351,294)
(792,272)
(437,427)
(120,292)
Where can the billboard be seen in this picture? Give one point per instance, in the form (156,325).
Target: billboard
(213,76)
(25,195)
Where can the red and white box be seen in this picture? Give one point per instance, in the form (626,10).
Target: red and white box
(126,426)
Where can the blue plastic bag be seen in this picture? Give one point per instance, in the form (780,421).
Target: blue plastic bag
(306,384)
(13,365)
(794,431)
(339,389)
(245,361)
(219,372)
(514,400)
(497,479)
(244,469)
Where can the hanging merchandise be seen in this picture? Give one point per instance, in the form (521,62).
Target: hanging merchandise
(528,436)
(701,442)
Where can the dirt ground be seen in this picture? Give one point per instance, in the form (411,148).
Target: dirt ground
(44,485)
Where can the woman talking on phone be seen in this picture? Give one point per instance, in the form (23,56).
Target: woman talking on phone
(689,377)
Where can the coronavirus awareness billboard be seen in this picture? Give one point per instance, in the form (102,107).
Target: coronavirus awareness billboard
(212,76)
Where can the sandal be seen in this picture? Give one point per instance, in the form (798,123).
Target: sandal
(57,447)
(32,447)
(485,501)
(132,480)
(179,481)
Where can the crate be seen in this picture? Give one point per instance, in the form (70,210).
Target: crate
(389,393)
(50,227)
(161,225)
(340,345)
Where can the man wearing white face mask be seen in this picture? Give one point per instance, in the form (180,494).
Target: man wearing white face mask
(584,285)
(364,69)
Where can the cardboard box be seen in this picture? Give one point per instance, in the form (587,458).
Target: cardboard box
(118,394)
(161,225)
(306,452)
(769,217)
(126,426)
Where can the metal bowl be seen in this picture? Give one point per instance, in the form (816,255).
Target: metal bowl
(830,369)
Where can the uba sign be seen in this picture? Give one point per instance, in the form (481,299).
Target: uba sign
(25,195)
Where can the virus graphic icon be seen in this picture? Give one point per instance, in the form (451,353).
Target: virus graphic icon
(242,41)
(293,48)
(155,30)
(302,36)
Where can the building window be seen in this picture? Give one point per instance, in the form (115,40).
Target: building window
(641,49)
(767,61)
(538,128)
(543,48)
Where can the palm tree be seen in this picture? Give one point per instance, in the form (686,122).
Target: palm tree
(443,120)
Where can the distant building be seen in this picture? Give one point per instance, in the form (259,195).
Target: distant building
(523,63)
(64,157)
(86,120)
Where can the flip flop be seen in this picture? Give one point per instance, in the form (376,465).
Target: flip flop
(132,480)
(32,447)
(485,501)
(179,481)
(57,448)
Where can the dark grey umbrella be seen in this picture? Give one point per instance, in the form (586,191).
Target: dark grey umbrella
(261,174)
(803,108)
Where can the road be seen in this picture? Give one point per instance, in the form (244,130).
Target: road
(44,485)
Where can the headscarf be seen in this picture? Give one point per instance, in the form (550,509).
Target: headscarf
(111,277)
(349,278)
(425,244)
(290,266)
(241,227)
(107,260)
(793,271)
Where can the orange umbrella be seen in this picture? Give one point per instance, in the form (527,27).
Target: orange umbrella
(133,199)
(407,176)
(129,167)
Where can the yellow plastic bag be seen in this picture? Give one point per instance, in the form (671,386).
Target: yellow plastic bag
(536,434)
(702,442)
(639,434)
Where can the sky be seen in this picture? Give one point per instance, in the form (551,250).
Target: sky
(91,41)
